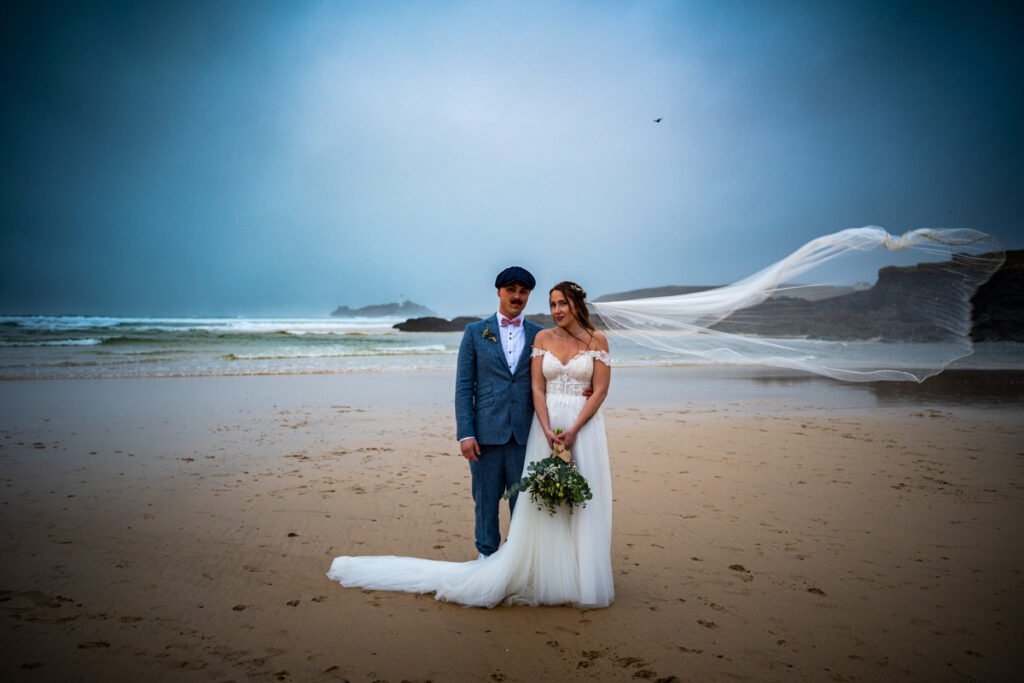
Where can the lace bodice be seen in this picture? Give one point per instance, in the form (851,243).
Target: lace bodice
(572,377)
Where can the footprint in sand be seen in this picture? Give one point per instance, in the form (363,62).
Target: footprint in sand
(625,662)
(744,572)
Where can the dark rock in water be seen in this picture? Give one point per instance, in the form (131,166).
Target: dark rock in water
(435,324)
(406,309)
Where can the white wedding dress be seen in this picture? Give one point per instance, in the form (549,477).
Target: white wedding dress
(546,560)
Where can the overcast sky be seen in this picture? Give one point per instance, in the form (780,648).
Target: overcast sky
(247,158)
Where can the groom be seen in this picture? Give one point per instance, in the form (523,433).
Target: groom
(493,401)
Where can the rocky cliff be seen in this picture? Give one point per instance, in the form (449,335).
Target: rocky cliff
(892,310)
(899,307)
(999,303)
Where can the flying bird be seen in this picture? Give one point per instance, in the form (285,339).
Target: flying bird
(657,120)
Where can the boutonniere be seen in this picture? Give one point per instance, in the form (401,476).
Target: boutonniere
(488,335)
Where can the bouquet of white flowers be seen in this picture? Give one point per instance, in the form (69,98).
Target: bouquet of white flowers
(554,481)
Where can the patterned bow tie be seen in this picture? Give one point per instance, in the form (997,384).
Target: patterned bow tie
(515,322)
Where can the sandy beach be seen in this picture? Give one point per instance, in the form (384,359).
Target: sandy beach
(767,527)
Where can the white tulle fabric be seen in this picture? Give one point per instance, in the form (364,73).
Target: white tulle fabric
(907,330)
(546,560)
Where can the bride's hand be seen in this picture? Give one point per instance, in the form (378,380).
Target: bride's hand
(567,437)
(552,438)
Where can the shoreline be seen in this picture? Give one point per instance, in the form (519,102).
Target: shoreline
(765,528)
(767,388)
(251,347)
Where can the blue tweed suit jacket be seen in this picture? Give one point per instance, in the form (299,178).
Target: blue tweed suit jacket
(492,403)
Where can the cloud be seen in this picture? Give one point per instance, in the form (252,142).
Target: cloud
(198,159)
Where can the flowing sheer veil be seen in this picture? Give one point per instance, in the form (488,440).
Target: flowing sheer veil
(856,305)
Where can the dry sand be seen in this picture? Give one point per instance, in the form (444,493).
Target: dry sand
(778,529)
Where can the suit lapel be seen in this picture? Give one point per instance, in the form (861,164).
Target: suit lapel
(496,348)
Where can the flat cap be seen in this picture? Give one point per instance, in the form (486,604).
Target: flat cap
(515,274)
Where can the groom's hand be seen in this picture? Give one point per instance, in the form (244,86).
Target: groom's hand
(470,449)
(588,392)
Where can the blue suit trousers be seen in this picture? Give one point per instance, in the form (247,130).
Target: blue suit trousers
(497,468)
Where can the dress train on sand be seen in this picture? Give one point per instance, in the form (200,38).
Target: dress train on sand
(548,559)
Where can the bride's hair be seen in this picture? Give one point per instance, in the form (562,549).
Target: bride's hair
(574,293)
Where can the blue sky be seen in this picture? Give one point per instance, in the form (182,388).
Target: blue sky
(253,158)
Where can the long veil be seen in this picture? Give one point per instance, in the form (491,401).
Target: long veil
(857,305)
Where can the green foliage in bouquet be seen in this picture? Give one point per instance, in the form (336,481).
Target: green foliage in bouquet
(552,482)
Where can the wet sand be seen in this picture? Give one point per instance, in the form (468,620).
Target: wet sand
(767,527)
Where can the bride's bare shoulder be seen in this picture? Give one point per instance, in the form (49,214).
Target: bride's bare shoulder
(600,341)
(541,341)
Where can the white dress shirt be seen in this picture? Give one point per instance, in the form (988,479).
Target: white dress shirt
(512,338)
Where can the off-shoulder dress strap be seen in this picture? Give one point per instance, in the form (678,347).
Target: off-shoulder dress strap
(537,351)
(601,355)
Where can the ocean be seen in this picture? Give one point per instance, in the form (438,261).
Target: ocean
(88,347)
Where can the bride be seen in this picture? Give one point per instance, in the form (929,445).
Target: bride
(547,559)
